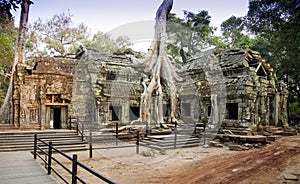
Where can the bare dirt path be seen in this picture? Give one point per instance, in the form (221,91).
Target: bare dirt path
(266,165)
(199,165)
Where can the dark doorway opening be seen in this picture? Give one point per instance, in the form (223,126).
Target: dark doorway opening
(272,109)
(209,110)
(116,112)
(232,111)
(166,110)
(56,118)
(134,113)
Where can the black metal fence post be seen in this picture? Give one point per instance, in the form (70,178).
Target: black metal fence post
(49,158)
(147,129)
(175,135)
(74,169)
(137,142)
(82,132)
(117,133)
(70,121)
(91,144)
(34,146)
(204,138)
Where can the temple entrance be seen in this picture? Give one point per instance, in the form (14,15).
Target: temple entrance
(116,112)
(58,117)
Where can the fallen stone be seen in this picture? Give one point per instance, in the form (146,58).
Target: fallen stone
(235,170)
(248,145)
(162,152)
(265,133)
(290,177)
(215,144)
(149,153)
(235,147)
(205,146)
(227,132)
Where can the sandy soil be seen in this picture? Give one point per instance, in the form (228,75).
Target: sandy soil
(197,165)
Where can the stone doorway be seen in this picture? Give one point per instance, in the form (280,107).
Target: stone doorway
(58,117)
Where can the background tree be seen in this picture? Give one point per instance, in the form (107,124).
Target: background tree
(276,25)
(104,42)
(58,36)
(6,6)
(8,36)
(189,35)
(233,33)
(18,56)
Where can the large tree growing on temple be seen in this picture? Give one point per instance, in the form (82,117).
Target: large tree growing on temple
(8,35)
(19,53)
(162,74)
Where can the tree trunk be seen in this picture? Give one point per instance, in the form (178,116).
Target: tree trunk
(163,74)
(6,108)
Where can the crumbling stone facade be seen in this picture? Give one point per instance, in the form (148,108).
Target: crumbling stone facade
(42,93)
(235,88)
(105,89)
(253,99)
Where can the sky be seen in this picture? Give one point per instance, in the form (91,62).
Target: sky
(108,15)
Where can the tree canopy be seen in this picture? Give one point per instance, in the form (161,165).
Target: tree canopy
(233,33)
(104,42)
(189,35)
(8,36)
(276,24)
(57,35)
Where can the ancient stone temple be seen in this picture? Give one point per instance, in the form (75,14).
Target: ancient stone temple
(42,93)
(234,88)
(243,86)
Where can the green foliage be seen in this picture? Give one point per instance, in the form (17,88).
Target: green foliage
(276,25)
(294,108)
(55,36)
(58,36)
(188,35)
(232,31)
(6,6)
(104,42)
(8,35)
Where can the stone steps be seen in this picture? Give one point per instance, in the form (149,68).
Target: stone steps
(64,140)
(167,141)
(7,127)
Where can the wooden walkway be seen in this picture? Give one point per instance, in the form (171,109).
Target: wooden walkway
(20,167)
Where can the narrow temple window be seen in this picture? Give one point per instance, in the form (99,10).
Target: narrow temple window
(116,112)
(111,76)
(166,110)
(232,111)
(208,110)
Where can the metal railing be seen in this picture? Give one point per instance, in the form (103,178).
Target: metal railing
(43,148)
(114,139)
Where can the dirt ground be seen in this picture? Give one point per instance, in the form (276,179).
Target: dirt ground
(270,164)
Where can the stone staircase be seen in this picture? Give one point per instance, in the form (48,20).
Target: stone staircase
(64,140)
(7,127)
(168,141)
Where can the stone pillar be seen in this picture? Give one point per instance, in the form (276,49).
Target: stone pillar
(276,108)
(125,113)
